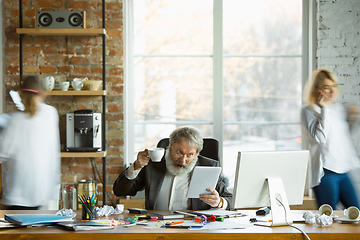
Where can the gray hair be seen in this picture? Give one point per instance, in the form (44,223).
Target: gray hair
(189,134)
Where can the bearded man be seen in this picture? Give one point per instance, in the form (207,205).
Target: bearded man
(167,182)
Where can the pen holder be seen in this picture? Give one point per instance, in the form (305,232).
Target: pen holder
(88,211)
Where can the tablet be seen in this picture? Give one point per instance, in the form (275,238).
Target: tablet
(203,178)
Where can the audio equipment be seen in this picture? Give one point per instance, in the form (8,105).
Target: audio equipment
(60,19)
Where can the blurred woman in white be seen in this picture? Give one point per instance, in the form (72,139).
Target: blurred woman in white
(333,155)
(30,152)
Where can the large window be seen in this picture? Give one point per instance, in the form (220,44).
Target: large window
(231,68)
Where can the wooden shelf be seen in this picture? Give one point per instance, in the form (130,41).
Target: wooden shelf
(61,31)
(76,93)
(83,154)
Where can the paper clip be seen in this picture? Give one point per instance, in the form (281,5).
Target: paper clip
(203,219)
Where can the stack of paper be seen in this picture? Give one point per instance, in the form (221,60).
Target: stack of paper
(84,225)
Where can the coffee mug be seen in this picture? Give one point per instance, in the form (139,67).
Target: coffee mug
(48,83)
(156,154)
(352,213)
(325,209)
(64,86)
(77,85)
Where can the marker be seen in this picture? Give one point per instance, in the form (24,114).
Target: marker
(152,218)
(175,223)
(257,220)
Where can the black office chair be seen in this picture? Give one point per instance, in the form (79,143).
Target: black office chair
(210,147)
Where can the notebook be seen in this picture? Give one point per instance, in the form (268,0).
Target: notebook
(30,219)
(166,214)
(84,225)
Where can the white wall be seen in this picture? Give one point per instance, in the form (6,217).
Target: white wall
(338,49)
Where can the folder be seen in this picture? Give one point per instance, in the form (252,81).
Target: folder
(31,219)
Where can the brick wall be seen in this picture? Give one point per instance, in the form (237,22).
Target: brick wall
(338,50)
(67,58)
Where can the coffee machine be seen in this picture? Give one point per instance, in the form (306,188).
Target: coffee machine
(83,131)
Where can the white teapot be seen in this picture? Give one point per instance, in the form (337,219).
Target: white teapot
(48,83)
(77,83)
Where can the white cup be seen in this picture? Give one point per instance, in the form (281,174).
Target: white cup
(325,209)
(77,85)
(119,208)
(64,86)
(48,83)
(352,213)
(156,154)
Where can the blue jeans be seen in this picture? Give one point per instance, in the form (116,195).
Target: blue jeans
(335,187)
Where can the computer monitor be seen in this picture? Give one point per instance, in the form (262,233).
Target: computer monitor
(275,179)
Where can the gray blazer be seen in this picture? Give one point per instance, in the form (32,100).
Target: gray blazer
(151,178)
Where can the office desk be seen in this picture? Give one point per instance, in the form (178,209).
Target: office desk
(335,231)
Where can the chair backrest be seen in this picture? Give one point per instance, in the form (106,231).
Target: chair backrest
(210,147)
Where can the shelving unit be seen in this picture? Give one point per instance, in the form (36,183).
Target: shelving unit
(84,154)
(61,32)
(76,93)
(101,32)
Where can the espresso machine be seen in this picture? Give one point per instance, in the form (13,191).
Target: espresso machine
(83,131)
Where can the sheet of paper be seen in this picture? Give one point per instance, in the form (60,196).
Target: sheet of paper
(218,212)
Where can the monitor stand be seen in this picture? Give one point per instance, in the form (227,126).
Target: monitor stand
(277,193)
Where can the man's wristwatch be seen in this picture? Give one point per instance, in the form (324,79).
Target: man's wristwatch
(221,203)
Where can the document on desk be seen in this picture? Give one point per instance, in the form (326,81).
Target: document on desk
(297,216)
(227,224)
(218,213)
(4,224)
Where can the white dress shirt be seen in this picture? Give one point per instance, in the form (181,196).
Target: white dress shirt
(173,191)
(30,151)
(327,133)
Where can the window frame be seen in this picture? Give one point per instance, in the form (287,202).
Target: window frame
(308,65)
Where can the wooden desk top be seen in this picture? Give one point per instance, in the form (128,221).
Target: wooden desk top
(335,231)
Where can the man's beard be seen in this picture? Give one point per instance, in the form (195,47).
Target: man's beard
(171,165)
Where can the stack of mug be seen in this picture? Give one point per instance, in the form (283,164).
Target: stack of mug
(49,83)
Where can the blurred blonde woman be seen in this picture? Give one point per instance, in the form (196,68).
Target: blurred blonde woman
(327,132)
(30,152)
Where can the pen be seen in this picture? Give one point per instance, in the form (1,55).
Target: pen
(257,220)
(133,224)
(186,213)
(182,226)
(152,218)
(175,223)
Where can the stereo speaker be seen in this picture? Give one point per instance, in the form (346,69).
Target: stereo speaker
(60,19)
